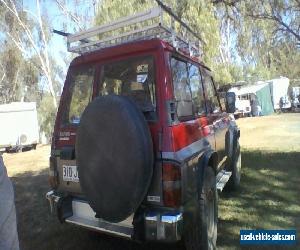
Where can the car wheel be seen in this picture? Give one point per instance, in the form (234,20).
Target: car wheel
(236,167)
(203,232)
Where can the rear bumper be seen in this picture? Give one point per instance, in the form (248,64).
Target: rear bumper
(149,225)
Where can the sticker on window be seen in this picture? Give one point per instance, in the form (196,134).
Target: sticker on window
(141,78)
(143,68)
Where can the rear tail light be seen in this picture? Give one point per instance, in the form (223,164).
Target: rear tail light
(171,185)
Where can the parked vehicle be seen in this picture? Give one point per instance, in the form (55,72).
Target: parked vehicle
(279,91)
(141,144)
(242,102)
(296,98)
(285,104)
(19,126)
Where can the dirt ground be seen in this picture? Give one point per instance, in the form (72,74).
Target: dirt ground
(269,196)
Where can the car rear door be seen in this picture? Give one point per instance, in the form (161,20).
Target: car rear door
(215,115)
(77,94)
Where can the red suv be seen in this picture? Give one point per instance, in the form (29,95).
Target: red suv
(142,144)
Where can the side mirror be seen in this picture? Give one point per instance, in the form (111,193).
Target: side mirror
(230,102)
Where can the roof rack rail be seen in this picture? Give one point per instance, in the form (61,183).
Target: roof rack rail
(158,22)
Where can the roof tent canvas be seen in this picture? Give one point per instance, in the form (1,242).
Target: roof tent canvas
(265,100)
(263,94)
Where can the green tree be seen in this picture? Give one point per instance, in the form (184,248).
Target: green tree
(267,33)
(46,114)
(30,34)
(28,71)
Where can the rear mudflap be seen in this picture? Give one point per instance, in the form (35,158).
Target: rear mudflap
(64,208)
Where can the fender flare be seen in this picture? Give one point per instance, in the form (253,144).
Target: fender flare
(232,136)
(208,158)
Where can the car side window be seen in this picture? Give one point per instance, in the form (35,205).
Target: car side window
(182,89)
(196,89)
(212,102)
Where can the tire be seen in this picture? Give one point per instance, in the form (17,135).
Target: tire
(235,179)
(203,232)
(114,155)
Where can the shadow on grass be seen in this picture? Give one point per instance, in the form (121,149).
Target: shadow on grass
(269,197)
(40,230)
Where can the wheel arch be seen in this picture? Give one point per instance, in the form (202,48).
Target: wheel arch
(231,138)
(209,158)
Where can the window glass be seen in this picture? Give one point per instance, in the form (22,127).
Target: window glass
(133,78)
(81,93)
(182,90)
(212,103)
(196,89)
(222,102)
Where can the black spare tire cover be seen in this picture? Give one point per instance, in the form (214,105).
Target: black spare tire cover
(114,155)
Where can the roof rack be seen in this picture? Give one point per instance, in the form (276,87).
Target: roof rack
(158,22)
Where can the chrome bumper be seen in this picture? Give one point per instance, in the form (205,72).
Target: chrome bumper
(158,226)
(166,227)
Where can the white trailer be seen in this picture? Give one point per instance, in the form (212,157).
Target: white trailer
(18,126)
(279,91)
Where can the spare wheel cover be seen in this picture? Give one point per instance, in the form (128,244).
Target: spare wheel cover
(114,155)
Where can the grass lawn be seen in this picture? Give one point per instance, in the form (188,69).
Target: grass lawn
(269,197)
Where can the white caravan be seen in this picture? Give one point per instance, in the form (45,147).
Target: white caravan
(279,91)
(18,126)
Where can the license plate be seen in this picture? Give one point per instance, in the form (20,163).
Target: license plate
(70,173)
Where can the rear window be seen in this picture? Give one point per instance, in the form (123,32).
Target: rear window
(133,78)
(81,88)
(182,88)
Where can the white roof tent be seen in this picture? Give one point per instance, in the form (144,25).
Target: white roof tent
(158,22)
